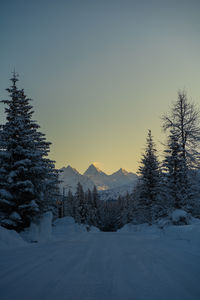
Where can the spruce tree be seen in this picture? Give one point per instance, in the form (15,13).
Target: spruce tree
(96,207)
(28,179)
(88,204)
(80,208)
(70,204)
(149,172)
(175,173)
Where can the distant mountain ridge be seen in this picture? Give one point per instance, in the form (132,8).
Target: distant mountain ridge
(94,176)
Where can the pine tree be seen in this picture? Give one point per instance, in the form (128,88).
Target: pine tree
(30,179)
(70,204)
(175,172)
(89,215)
(96,207)
(149,181)
(80,208)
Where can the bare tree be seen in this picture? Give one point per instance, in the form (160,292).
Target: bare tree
(184,120)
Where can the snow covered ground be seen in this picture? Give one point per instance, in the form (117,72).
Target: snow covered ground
(135,263)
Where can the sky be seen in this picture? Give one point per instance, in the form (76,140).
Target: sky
(100,72)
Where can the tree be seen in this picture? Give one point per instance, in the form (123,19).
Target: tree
(175,172)
(70,204)
(89,208)
(184,120)
(30,178)
(149,172)
(96,208)
(80,207)
(183,126)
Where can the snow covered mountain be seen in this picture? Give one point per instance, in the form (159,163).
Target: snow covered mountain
(70,177)
(122,177)
(99,178)
(105,182)
(114,193)
(117,183)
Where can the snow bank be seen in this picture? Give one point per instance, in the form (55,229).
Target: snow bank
(45,227)
(10,239)
(66,226)
(40,231)
(189,233)
(43,231)
(94,229)
(180,217)
(133,228)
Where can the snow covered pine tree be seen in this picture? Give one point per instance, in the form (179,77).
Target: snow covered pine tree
(174,172)
(28,178)
(149,182)
(80,207)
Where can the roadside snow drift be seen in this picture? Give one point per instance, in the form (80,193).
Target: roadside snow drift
(40,231)
(10,239)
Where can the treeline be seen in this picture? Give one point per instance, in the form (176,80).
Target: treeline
(162,187)
(87,208)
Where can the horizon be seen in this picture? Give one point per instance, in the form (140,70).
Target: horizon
(101,73)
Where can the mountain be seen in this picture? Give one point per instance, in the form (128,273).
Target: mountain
(122,177)
(114,193)
(99,178)
(93,170)
(115,184)
(70,178)
(105,182)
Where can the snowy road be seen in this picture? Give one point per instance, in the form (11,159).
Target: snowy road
(102,266)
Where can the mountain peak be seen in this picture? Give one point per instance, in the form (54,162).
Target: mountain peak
(123,171)
(69,169)
(92,169)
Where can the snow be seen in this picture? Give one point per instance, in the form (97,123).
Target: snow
(32,204)
(45,227)
(70,177)
(114,193)
(5,194)
(67,227)
(41,231)
(10,239)
(15,216)
(180,216)
(138,262)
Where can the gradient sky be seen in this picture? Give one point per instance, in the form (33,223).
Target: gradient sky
(101,73)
